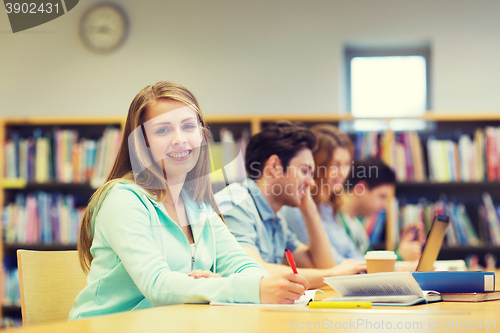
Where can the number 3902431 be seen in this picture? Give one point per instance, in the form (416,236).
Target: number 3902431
(31,8)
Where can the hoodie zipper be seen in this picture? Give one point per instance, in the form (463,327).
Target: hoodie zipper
(187,240)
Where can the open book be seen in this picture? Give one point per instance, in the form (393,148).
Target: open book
(394,289)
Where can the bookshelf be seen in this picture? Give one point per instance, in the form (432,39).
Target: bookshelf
(444,126)
(38,159)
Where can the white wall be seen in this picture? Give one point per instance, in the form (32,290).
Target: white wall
(274,56)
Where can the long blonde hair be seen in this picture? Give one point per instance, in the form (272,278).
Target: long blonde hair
(151,179)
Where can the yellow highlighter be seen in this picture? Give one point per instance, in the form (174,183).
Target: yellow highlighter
(340,305)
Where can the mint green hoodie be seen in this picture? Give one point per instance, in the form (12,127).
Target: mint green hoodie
(142,258)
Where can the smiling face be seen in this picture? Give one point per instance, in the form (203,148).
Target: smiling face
(174,136)
(297,178)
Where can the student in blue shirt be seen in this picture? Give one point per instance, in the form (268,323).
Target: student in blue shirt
(280,165)
(152,234)
(333,158)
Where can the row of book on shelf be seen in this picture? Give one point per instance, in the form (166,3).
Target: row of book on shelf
(42,218)
(45,218)
(461,231)
(53,218)
(467,159)
(61,156)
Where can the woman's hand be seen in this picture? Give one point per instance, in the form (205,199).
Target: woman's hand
(284,288)
(203,274)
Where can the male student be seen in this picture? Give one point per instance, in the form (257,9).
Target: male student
(366,191)
(279,164)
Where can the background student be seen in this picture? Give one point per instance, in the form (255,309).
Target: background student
(333,158)
(152,234)
(279,164)
(366,191)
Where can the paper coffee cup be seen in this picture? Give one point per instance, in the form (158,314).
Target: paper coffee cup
(380,261)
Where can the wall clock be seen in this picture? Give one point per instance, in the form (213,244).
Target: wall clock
(103,28)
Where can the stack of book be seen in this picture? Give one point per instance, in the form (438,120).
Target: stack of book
(42,218)
(402,151)
(107,149)
(366,144)
(11,295)
(489,215)
(59,156)
(464,160)
(460,232)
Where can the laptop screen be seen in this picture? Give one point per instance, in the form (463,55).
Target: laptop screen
(433,244)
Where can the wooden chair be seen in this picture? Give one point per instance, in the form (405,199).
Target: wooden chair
(49,282)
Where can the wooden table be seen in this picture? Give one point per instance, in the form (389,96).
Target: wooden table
(435,317)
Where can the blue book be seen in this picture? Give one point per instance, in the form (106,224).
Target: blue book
(359,145)
(456,282)
(16,138)
(459,226)
(378,228)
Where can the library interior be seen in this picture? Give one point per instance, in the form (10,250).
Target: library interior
(411,83)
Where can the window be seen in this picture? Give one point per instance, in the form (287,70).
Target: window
(388,82)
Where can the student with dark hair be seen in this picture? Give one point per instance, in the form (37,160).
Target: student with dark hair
(280,165)
(366,191)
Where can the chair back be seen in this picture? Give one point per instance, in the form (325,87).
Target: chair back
(49,282)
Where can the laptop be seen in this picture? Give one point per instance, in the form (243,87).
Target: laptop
(433,244)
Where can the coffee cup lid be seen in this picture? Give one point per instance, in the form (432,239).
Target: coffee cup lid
(380,255)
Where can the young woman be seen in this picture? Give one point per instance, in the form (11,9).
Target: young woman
(152,234)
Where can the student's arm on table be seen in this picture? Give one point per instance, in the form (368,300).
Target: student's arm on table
(281,287)
(313,276)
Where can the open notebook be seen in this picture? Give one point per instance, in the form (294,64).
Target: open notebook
(302,301)
(392,289)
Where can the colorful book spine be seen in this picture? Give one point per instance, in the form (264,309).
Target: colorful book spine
(493,219)
(460,231)
(42,218)
(59,156)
